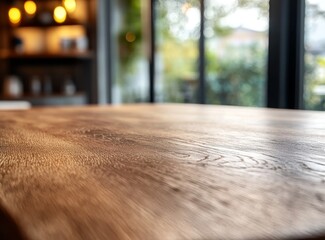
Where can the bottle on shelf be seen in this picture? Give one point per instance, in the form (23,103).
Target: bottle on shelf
(69,87)
(17,44)
(12,87)
(35,85)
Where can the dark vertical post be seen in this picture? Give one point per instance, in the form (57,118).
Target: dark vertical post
(201,90)
(104,53)
(152,52)
(296,55)
(286,54)
(110,53)
(277,57)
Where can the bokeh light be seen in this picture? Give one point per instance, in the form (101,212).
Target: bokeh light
(60,14)
(130,37)
(30,7)
(14,15)
(70,5)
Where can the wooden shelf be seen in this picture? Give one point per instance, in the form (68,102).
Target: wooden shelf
(38,24)
(79,98)
(48,55)
(47,25)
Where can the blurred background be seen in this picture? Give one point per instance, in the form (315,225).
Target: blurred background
(75,52)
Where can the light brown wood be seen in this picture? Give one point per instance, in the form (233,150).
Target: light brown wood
(163,172)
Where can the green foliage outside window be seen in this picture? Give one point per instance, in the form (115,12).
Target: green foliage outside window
(312,81)
(237,79)
(129,49)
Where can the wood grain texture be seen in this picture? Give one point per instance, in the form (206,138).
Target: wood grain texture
(163,172)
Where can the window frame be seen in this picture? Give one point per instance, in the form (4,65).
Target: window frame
(285,77)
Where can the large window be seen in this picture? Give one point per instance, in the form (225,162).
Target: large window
(236,37)
(234,52)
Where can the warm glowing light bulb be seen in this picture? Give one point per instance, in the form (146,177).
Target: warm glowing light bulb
(30,7)
(60,14)
(70,5)
(14,15)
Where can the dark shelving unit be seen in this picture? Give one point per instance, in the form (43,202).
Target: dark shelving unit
(79,65)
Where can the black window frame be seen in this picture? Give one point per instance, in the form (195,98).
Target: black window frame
(285,77)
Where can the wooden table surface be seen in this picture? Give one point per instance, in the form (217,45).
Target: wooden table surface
(162,172)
